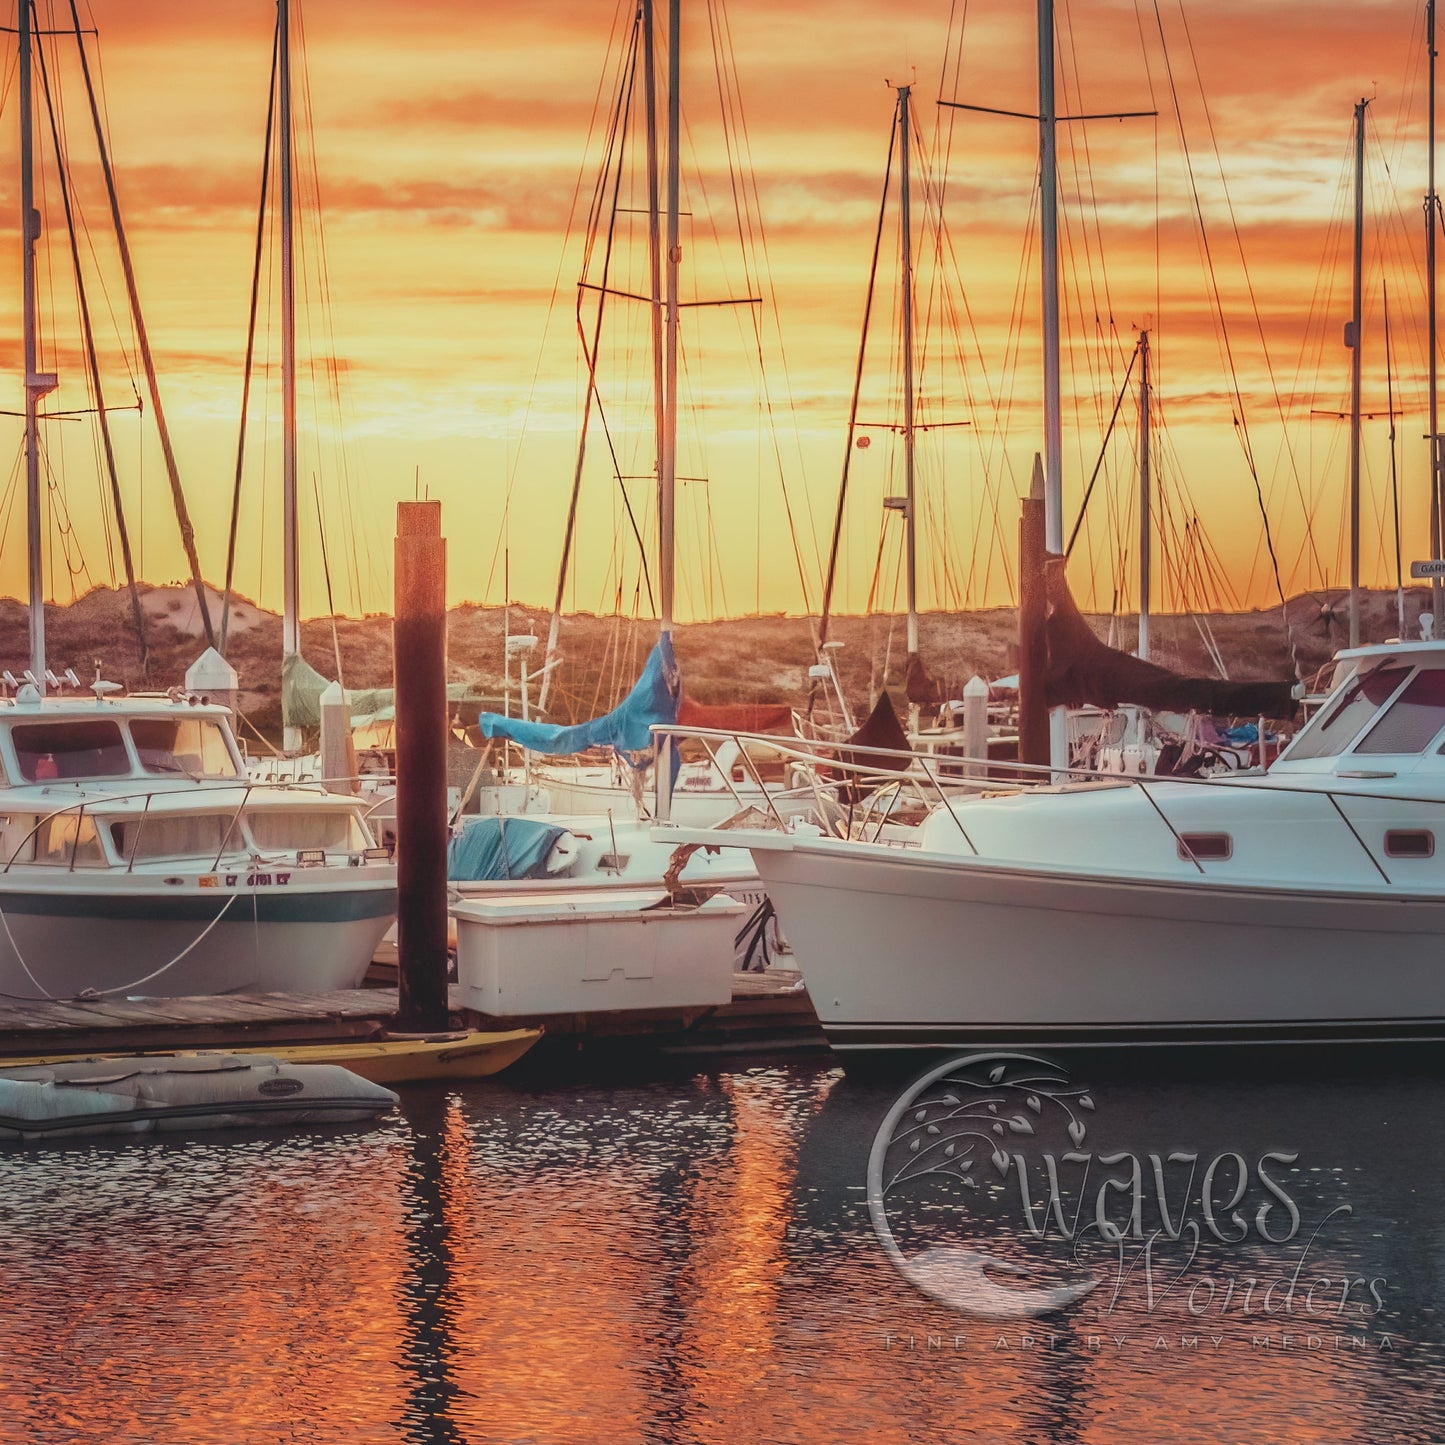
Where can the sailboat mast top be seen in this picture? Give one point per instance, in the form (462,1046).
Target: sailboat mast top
(667,459)
(1053,411)
(35,386)
(654,262)
(1353,339)
(1432,209)
(906,247)
(1049,253)
(1146,530)
(290,563)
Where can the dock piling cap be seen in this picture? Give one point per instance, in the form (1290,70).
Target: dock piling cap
(419,519)
(210,672)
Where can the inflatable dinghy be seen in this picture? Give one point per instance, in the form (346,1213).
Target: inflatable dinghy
(207,1091)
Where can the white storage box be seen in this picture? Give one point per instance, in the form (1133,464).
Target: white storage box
(593,951)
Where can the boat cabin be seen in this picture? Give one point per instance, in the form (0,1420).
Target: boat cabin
(1384,716)
(77,740)
(144,781)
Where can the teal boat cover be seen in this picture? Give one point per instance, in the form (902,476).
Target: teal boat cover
(487,850)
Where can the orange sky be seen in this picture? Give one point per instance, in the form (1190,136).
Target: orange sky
(449,139)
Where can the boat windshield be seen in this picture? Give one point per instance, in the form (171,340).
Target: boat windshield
(1413,720)
(287,829)
(194,746)
(1334,729)
(83,748)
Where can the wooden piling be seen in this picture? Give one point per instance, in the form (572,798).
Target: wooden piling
(419,641)
(1033,610)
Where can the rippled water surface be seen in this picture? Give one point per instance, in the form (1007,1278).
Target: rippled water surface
(692,1259)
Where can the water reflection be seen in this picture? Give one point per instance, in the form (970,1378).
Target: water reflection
(686,1259)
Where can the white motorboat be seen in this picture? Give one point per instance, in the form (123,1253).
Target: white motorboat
(1303,903)
(135,858)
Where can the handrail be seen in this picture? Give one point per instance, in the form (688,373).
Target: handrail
(140,829)
(843,758)
(79,805)
(230,827)
(827,753)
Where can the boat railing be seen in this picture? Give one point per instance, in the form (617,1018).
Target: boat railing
(871,779)
(80,806)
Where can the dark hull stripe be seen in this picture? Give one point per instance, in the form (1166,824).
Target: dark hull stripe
(856,1037)
(273,905)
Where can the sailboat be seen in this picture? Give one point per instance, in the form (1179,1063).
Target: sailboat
(1305,903)
(135,857)
(600,869)
(592,769)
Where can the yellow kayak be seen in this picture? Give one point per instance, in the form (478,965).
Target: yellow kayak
(472,1055)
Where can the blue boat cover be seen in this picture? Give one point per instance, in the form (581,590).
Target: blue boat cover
(489,849)
(653,699)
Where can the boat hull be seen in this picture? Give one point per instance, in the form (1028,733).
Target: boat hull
(900,953)
(133,937)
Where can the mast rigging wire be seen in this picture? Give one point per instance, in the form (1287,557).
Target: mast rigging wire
(178,498)
(246,370)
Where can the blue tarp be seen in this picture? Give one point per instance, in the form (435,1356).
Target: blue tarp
(1246,734)
(625,729)
(489,849)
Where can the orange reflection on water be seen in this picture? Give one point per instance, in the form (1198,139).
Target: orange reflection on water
(220,1294)
(554,1297)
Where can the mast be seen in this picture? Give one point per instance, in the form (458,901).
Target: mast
(36,384)
(642,52)
(906,243)
(659,304)
(1432,207)
(1394,469)
(667,452)
(1353,340)
(290,567)
(1145,527)
(1049,254)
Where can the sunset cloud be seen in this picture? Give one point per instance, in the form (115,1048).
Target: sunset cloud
(455,143)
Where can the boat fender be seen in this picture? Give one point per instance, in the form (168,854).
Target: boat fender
(728,754)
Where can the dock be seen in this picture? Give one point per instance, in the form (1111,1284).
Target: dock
(768,1011)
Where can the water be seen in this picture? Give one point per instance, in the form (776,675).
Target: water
(690,1259)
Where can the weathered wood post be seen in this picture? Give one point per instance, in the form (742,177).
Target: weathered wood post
(419,643)
(1033,609)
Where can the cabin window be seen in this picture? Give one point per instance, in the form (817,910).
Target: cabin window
(1205,847)
(1334,728)
(1411,722)
(1409,843)
(194,746)
(177,835)
(62,750)
(281,831)
(67,838)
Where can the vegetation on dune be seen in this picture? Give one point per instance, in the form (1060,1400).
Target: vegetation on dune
(750,659)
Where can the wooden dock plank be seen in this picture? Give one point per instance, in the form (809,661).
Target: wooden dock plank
(766,1008)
